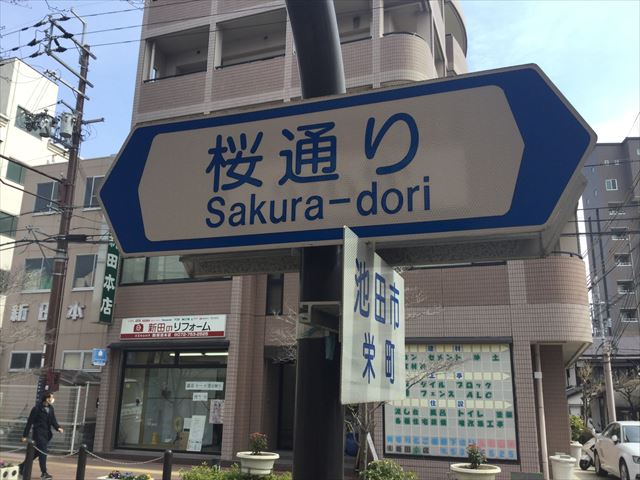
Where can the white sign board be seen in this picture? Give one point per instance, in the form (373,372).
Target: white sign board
(216,412)
(373,368)
(472,403)
(196,432)
(173,327)
(215,386)
(200,396)
(381,162)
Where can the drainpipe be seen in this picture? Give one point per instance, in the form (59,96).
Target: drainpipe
(542,424)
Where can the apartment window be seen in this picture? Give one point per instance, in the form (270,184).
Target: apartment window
(15,172)
(48,196)
(252,38)
(628,315)
(162,269)
(25,360)
(606,162)
(38,273)
(625,286)
(178,53)
(8,225)
(22,120)
(623,259)
(85,271)
(91,192)
(275,290)
(619,234)
(133,270)
(611,184)
(78,360)
(354,20)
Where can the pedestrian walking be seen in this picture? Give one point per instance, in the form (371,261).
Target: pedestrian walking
(42,419)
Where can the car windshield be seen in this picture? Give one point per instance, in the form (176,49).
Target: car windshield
(631,433)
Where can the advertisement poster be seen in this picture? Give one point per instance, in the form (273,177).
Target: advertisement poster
(471,402)
(216,412)
(196,433)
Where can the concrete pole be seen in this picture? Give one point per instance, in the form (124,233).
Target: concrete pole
(542,424)
(608,382)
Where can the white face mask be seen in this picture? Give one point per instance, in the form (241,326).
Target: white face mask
(51,401)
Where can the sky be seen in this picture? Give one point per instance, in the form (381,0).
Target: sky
(590,49)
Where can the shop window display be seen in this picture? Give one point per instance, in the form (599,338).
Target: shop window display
(173,400)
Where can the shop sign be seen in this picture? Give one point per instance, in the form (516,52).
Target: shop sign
(471,402)
(109,283)
(215,386)
(173,327)
(99,357)
(373,369)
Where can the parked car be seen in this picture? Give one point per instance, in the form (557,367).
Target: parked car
(618,451)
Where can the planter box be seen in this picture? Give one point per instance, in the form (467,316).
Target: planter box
(258,465)
(460,471)
(9,473)
(106,477)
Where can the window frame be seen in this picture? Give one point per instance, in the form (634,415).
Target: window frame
(27,361)
(54,198)
(610,183)
(93,194)
(11,233)
(146,281)
(630,319)
(619,263)
(75,271)
(22,170)
(42,266)
(622,283)
(620,234)
(83,355)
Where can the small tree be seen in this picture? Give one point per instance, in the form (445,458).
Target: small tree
(591,388)
(627,384)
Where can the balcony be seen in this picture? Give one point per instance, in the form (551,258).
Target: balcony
(162,12)
(456,60)
(405,57)
(172,94)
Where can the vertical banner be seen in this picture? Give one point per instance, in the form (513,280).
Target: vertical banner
(112,263)
(373,358)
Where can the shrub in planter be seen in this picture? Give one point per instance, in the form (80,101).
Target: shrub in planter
(577,428)
(202,472)
(386,470)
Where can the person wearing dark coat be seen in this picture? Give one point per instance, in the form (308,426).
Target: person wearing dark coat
(41,420)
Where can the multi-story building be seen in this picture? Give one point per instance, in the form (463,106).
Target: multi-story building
(23,91)
(611,203)
(500,318)
(22,338)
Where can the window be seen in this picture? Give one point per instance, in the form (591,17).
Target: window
(91,192)
(178,53)
(38,273)
(622,259)
(619,234)
(78,360)
(84,274)
(275,284)
(615,208)
(47,198)
(611,184)
(252,38)
(607,162)
(354,20)
(8,225)
(155,270)
(163,388)
(22,120)
(25,360)
(15,172)
(625,286)
(628,315)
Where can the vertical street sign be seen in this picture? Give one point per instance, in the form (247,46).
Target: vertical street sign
(373,361)
(109,282)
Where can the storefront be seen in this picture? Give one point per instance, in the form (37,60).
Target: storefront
(171,391)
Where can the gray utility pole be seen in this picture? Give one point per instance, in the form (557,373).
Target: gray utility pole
(67,187)
(318,441)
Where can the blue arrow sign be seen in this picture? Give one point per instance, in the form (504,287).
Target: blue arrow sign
(476,156)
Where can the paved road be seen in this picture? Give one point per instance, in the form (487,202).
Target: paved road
(585,475)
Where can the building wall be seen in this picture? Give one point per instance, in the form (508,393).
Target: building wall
(79,334)
(24,87)
(605,211)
